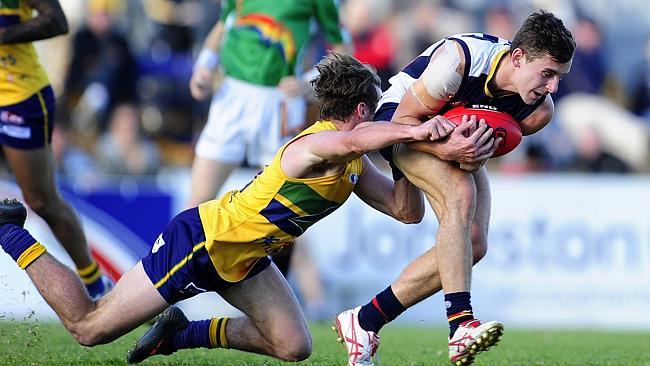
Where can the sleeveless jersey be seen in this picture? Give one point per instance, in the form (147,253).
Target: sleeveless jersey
(482,55)
(21,75)
(263,38)
(270,212)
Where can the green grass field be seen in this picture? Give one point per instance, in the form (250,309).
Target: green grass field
(49,344)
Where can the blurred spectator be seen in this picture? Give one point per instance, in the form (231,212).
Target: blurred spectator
(588,72)
(70,160)
(166,66)
(617,132)
(123,150)
(591,156)
(102,69)
(419,23)
(374,43)
(640,97)
(499,21)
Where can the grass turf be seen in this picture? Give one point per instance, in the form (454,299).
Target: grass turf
(50,344)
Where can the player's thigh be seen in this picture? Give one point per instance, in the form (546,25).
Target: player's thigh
(207,178)
(447,187)
(133,301)
(33,170)
(270,303)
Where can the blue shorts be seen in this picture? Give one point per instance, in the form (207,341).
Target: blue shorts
(28,124)
(179,266)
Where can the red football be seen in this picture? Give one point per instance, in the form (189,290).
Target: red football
(503,124)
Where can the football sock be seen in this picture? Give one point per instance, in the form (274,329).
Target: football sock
(382,309)
(90,274)
(459,309)
(20,245)
(210,333)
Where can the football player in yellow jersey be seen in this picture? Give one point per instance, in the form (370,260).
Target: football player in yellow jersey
(223,245)
(26,122)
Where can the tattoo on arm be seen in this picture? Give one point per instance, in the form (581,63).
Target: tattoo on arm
(49,22)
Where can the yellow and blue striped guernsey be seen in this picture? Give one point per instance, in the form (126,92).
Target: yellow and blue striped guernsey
(270,212)
(21,75)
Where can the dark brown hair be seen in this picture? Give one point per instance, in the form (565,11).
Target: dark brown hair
(543,33)
(344,82)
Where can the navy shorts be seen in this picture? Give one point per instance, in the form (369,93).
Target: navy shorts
(385,113)
(179,265)
(28,124)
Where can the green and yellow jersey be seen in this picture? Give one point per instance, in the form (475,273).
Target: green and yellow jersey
(270,212)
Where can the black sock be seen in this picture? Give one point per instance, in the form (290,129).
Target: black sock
(382,309)
(459,309)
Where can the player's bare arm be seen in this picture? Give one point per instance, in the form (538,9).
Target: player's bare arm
(49,22)
(203,74)
(539,118)
(437,85)
(400,199)
(337,147)
(470,142)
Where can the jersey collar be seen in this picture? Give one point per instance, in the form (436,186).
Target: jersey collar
(493,69)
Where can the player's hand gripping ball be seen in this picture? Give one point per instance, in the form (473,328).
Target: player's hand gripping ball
(503,125)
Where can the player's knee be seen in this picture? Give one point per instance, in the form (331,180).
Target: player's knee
(296,349)
(460,204)
(85,334)
(41,205)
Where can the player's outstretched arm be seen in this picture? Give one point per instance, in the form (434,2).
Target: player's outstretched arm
(334,147)
(49,22)
(342,146)
(399,199)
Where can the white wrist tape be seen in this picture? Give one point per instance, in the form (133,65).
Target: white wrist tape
(440,78)
(207,58)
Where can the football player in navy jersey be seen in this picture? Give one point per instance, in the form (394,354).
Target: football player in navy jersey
(515,77)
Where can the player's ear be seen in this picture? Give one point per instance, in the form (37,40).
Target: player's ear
(517,57)
(362,110)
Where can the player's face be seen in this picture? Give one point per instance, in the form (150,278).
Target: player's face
(539,76)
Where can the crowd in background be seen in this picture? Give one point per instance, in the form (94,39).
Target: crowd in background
(121,77)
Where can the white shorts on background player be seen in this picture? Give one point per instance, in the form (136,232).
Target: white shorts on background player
(249,122)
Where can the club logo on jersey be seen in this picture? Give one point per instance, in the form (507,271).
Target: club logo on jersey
(354,178)
(159,243)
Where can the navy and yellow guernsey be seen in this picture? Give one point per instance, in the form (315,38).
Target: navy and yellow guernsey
(21,75)
(270,212)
